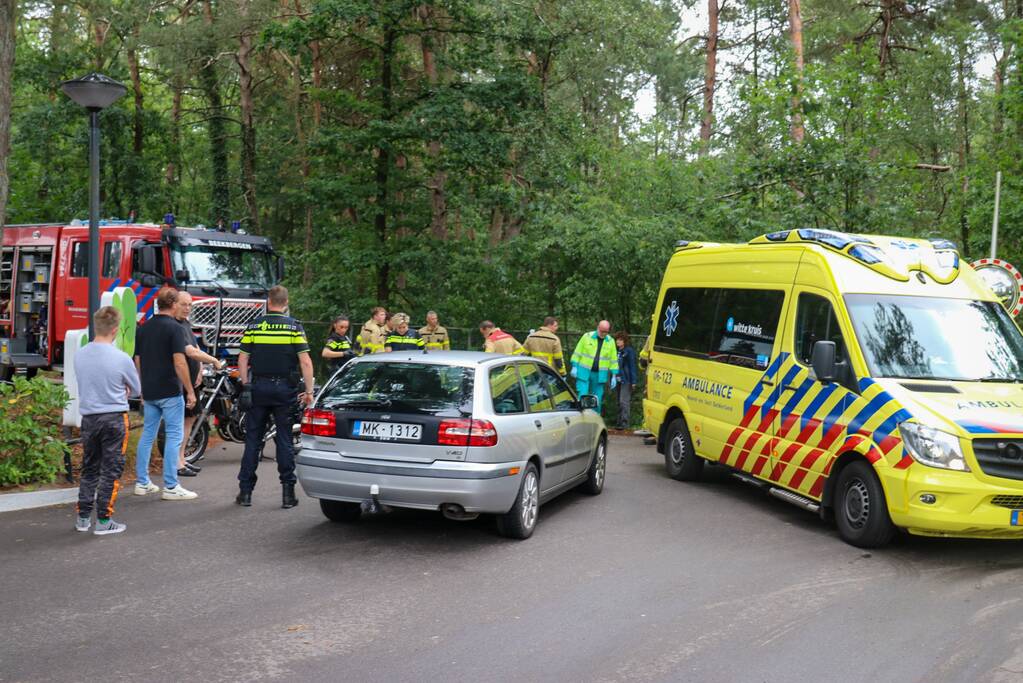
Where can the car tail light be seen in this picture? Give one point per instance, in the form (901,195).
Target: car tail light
(465,432)
(319,423)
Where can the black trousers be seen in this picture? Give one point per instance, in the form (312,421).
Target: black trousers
(269,398)
(104,440)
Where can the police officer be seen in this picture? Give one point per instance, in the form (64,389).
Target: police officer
(403,339)
(275,347)
(338,349)
(544,343)
(434,334)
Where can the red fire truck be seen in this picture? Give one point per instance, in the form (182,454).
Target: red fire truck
(44,282)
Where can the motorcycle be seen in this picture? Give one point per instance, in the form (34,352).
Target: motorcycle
(221,390)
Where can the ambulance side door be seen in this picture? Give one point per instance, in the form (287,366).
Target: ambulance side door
(745,349)
(809,420)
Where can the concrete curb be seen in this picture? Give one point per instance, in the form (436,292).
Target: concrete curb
(9,502)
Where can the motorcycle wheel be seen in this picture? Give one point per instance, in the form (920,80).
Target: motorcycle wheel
(195,449)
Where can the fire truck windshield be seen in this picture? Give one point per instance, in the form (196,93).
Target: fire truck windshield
(224,266)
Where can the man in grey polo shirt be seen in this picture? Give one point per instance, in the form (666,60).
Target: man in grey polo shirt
(106,377)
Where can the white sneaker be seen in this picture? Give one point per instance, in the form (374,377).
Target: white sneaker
(179,492)
(143,489)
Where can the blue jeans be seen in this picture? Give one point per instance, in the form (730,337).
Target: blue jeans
(172,412)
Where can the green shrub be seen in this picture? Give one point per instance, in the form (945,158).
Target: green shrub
(31,447)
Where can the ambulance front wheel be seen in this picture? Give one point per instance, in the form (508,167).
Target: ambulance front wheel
(680,459)
(861,512)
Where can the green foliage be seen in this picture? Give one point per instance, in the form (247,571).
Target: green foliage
(516,179)
(31,447)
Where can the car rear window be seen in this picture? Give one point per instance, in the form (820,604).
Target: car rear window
(402,387)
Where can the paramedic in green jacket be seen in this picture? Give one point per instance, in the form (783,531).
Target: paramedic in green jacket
(594,360)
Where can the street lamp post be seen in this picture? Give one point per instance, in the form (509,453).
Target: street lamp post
(95,92)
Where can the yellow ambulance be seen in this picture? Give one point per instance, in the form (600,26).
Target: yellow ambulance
(874,380)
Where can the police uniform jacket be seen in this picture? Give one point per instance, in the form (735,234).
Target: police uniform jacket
(410,341)
(339,344)
(545,344)
(273,343)
(436,339)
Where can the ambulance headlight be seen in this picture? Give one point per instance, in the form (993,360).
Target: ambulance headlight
(932,447)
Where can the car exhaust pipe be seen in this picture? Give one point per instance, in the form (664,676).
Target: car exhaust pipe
(457,512)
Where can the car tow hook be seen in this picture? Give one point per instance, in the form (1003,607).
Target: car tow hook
(373,506)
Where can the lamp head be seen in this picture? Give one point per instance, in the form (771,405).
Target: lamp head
(94,92)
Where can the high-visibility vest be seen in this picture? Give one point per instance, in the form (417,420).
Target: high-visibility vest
(586,351)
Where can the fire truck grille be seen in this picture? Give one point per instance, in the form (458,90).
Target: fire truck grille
(233,317)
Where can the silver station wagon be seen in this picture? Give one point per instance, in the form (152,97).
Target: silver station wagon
(465,433)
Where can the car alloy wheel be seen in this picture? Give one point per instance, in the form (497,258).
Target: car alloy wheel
(601,464)
(530,500)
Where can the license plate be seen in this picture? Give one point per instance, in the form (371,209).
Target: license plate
(1017,518)
(387,431)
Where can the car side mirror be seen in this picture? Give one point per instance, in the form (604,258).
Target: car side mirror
(280,269)
(147,260)
(588,402)
(822,359)
(181,275)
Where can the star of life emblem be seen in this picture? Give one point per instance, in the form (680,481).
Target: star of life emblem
(671,318)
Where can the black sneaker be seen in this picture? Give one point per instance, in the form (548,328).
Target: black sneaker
(195,468)
(185,472)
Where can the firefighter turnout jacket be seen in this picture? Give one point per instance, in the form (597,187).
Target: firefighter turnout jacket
(436,339)
(545,344)
(499,341)
(372,337)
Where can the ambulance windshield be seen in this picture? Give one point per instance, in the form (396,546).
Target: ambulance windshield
(242,268)
(914,337)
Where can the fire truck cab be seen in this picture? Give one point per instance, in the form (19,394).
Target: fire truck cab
(44,275)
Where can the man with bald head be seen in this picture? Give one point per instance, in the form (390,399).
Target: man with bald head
(594,361)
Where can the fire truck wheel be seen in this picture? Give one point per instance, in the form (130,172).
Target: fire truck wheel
(680,460)
(861,512)
(6,373)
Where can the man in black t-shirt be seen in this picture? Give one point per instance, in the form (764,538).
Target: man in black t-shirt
(166,391)
(275,347)
(194,357)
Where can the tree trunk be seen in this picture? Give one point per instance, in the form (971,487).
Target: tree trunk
(383,165)
(220,191)
(173,173)
(796,28)
(137,124)
(964,147)
(710,76)
(7,36)
(438,200)
(248,128)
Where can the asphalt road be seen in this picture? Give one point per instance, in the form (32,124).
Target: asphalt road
(654,580)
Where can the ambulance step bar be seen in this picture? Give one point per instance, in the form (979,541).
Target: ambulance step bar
(782,494)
